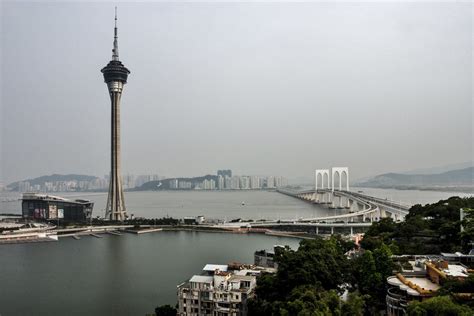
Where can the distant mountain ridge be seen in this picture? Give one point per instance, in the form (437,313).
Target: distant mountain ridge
(52,178)
(461,177)
(440,169)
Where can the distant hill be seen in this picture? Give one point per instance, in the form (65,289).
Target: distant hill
(165,183)
(454,178)
(52,178)
(441,169)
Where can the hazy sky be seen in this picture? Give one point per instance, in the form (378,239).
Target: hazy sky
(263,88)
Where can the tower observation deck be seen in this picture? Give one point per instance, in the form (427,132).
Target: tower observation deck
(115,76)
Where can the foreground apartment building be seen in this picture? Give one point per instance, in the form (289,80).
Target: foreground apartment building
(220,290)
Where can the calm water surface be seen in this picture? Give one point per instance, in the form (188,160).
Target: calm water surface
(212,204)
(129,274)
(114,275)
(228,204)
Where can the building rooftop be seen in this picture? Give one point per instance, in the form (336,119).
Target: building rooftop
(214,267)
(456,270)
(47,197)
(414,286)
(202,279)
(241,278)
(423,283)
(445,269)
(458,254)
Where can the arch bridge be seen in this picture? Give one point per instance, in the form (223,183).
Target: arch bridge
(355,207)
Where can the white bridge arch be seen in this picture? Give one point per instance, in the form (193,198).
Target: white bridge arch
(327,178)
(339,171)
(324,173)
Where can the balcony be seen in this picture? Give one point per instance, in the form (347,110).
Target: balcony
(396,302)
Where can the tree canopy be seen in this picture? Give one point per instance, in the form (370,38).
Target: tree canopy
(428,229)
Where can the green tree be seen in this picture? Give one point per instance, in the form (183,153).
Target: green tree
(370,272)
(319,263)
(165,310)
(354,306)
(467,236)
(438,306)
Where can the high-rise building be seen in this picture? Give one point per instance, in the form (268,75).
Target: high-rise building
(235,183)
(173,184)
(129,181)
(24,186)
(278,181)
(115,75)
(209,184)
(185,185)
(220,182)
(228,183)
(270,182)
(254,182)
(244,183)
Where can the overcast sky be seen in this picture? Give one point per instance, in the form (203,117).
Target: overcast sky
(266,88)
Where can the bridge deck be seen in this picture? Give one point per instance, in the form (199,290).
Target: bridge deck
(371,205)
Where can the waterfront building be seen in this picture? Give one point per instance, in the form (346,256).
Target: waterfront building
(244,183)
(184,185)
(255,182)
(278,182)
(228,183)
(173,184)
(219,290)
(208,184)
(129,181)
(220,182)
(420,281)
(99,183)
(49,207)
(190,220)
(270,182)
(235,183)
(24,186)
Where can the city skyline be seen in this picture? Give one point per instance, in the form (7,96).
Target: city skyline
(70,183)
(194,109)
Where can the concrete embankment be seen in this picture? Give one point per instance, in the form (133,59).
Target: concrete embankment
(143,231)
(27,238)
(78,232)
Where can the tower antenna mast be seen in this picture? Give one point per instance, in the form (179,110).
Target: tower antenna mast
(115,51)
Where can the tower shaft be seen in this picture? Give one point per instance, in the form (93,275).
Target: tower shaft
(115,209)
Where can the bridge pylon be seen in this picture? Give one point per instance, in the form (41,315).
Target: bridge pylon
(339,171)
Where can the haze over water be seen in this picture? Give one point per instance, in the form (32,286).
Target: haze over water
(227,205)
